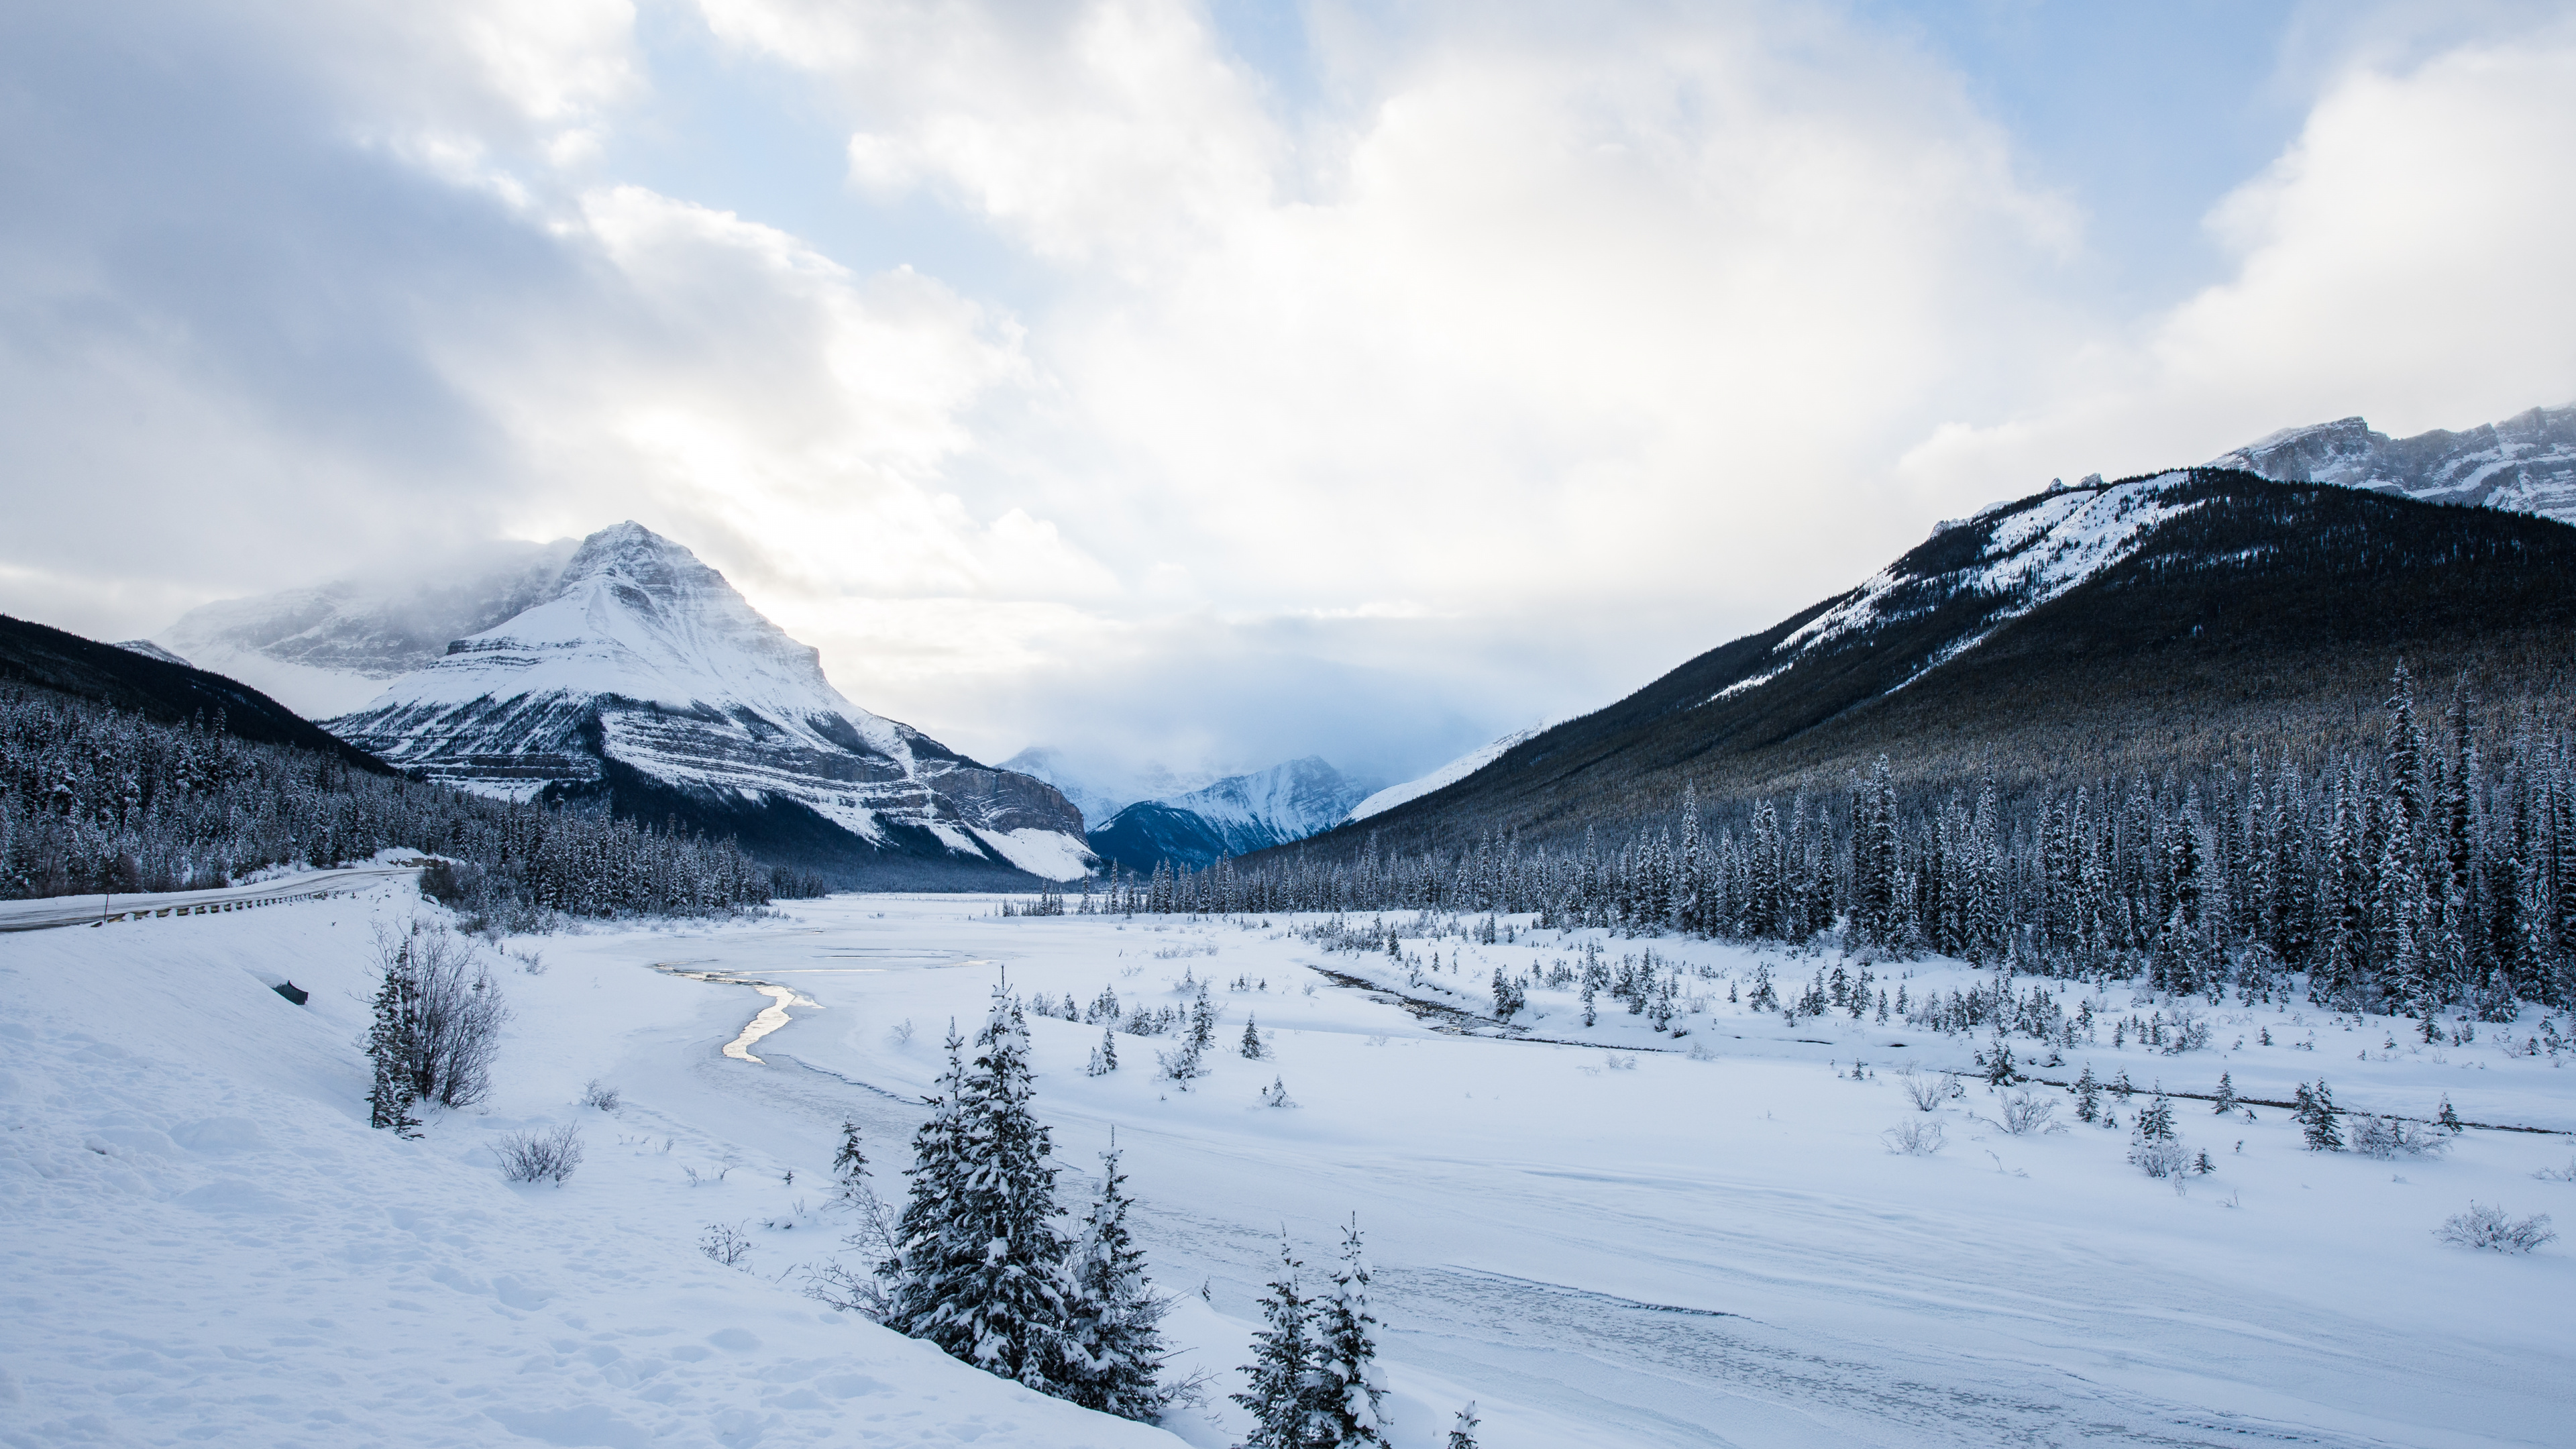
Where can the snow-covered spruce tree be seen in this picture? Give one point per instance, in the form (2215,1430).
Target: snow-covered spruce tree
(1280,1382)
(1462,1430)
(2224,1101)
(1251,1038)
(1104,1057)
(393,1048)
(849,1164)
(2316,1116)
(1350,1389)
(1113,1347)
(981,1271)
(2088,1096)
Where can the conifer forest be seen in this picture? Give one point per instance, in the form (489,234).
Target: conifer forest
(2434,871)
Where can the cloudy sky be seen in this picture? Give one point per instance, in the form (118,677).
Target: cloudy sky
(1219,382)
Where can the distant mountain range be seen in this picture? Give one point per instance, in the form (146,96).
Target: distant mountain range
(2525,464)
(2086,633)
(1234,816)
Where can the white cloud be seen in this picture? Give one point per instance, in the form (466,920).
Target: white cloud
(2403,260)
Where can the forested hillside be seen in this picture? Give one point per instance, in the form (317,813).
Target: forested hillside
(93,797)
(2243,617)
(2430,873)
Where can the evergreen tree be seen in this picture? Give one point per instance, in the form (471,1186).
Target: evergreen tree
(1462,1432)
(2156,1120)
(2225,1101)
(1349,1387)
(1104,1057)
(980,1272)
(2088,1096)
(394,1049)
(1251,1038)
(2449,1118)
(2316,1116)
(1280,1383)
(1113,1345)
(849,1164)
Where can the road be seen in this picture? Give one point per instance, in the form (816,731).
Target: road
(91,910)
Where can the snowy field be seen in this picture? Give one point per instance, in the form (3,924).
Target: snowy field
(1604,1235)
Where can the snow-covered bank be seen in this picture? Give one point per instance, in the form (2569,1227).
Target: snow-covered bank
(1600,1246)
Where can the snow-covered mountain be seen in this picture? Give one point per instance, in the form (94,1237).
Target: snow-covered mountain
(1448,774)
(1234,816)
(2525,464)
(641,677)
(2076,634)
(1100,789)
(326,651)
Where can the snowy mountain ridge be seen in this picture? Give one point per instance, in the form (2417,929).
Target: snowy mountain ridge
(2024,555)
(642,661)
(2525,464)
(1448,774)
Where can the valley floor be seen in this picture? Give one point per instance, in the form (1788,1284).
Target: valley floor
(1611,1237)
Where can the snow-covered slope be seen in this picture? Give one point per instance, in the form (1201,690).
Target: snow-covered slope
(1234,816)
(2525,464)
(643,672)
(328,650)
(207,1244)
(1447,775)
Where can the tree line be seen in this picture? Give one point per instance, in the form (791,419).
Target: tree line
(2432,869)
(93,798)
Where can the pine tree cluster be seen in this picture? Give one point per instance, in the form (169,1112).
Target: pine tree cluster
(980,1266)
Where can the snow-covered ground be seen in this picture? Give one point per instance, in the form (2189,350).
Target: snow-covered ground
(1640,1240)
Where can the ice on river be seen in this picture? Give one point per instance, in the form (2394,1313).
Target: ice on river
(1643,1240)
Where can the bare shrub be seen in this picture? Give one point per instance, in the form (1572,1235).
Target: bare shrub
(724,1244)
(1914,1139)
(2166,1158)
(1926,1093)
(2027,1112)
(536,1156)
(2558,1174)
(2387,1138)
(2488,1227)
(598,1094)
(863,1290)
(439,1015)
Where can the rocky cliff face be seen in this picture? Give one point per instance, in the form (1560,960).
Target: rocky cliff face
(2525,464)
(642,680)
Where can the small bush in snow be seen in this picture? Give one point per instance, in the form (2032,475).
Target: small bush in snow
(2388,1137)
(534,1156)
(1914,1139)
(724,1244)
(2488,1227)
(1276,1094)
(2160,1158)
(2026,1112)
(2558,1174)
(1926,1093)
(596,1094)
